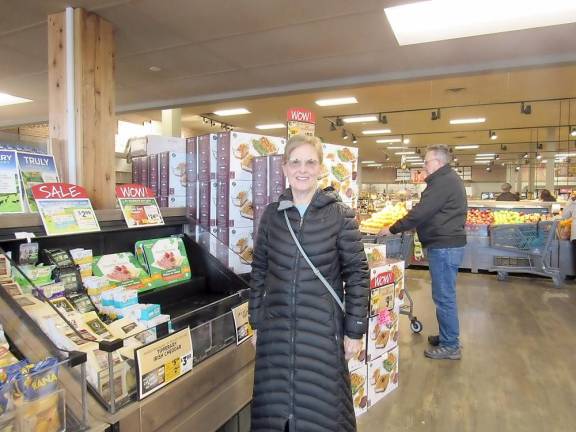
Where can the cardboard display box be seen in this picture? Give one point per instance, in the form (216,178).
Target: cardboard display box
(382,376)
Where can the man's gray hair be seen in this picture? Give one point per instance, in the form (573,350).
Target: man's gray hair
(441,152)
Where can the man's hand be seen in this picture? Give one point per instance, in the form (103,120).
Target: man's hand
(254,336)
(385,232)
(351,347)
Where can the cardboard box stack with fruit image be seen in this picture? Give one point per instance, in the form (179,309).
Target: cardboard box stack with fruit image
(377,362)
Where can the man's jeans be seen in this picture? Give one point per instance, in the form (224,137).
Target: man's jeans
(443,265)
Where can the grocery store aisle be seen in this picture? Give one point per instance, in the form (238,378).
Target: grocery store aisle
(518,372)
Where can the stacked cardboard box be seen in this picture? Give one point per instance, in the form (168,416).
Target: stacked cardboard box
(374,371)
(340,170)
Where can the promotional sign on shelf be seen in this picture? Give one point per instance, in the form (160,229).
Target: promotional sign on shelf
(301,122)
(139,206)
(36,169)
(163,361)
(65,208)
(11,200)
(243,329)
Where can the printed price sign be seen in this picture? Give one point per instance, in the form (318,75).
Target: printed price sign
(243,329)
(163,361)
(139,206)
(64,209)
(300,122)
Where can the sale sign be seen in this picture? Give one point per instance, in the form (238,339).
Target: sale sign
(139,206)
(64,208)
(301,122)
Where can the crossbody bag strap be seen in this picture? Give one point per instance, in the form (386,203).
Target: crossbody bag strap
(313,267)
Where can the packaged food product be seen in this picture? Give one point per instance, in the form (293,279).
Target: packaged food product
(164,259)
(121,269)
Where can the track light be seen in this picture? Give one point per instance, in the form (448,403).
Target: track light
(497,157)
(525,155)
(488,169)
(526,108)
(344,134)
(503,147)
(354,140)
(572,131)
(339,122)
(386,157)
(538,156)
(517,169)
(435,115)
(332,127)
(493,135)
(539,146)
(382,118)
(418,151)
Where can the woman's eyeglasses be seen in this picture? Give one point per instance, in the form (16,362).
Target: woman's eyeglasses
(297,163)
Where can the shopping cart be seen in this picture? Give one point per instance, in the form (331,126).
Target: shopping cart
(401,246)
(529,248)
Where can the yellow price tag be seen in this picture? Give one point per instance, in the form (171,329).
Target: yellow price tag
(172,370)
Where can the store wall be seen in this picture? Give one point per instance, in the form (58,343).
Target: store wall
(377,175)
(498,174)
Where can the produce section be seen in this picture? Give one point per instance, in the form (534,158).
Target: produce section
(383,218)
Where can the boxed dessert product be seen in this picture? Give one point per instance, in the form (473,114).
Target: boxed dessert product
(204,200)
(164,259)
(192,200)
(382,333)
(260,180)
(381,298)
(382,376)
(143,166)
(240,207)
(359,360)
(121,269)
(175,201)
(276,180)
(153,177)
(172,173)
(375,254)
(222,204)
(239,264)
(207,157)
(359,385)
(339,170)
(236,151)
(192,177)
(240,241)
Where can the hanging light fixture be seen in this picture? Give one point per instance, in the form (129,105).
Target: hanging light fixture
(344,134)
(493,135)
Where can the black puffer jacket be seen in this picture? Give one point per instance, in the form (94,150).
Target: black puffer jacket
(301,374)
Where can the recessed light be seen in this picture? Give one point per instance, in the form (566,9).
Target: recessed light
(231,112)
(8,99)
(493,136)
(467,121)
(368,162)
(155,68)
(376,131)
(484,157)
(396,148)
(485,154)
(406,140)
(428,21)
(389,140)
(482,162)
(337,101)
(360,119)
(466,147)
(405,153)
(271,126)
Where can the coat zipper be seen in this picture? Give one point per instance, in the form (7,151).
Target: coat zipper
(293,326)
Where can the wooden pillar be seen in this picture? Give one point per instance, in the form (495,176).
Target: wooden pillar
(95,118)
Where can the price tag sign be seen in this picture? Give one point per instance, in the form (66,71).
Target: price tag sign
(65,209)
(300,122)
(163,361)
(243,328)
(139,206)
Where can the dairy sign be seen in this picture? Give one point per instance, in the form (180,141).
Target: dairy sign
(301,122)
(64,208)
(139,206)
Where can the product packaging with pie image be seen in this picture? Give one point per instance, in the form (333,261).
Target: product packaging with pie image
(359,386)
(382,376)
(359,359)
(382,333)
(121,269)
(164,259)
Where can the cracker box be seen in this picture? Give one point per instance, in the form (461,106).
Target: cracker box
(382,334)
(382,376)
(121,269)
(164,259)
(236,151)
(359,386)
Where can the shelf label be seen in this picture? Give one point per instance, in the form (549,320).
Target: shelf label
(163,361)
(139,206)
(243,329)
(64,208)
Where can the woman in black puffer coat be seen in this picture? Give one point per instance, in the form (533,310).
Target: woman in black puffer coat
(301,381)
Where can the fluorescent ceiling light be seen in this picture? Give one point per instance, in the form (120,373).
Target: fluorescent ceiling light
(360,119)
(337,101)
(395,148)
(428,21)
(7,99)
(376,131)
(484,157)
(566,155)
(482,162)
(417,163)
(231,112)
(467,121)
(271,126)
(485,154)
(406,140)
(404,153)
(374,165)
(389,140)
(368,162)
(466,147)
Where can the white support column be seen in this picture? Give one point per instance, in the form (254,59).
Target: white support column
(171,122)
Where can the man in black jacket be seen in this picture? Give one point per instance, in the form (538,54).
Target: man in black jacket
(439,219)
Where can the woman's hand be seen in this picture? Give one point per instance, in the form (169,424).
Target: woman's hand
(351,347)
(254,338)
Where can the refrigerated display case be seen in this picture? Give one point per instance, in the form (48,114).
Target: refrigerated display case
(219,384)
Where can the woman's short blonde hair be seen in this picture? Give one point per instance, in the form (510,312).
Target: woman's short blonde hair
(299,140)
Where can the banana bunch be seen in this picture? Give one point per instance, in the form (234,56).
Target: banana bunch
(383,218)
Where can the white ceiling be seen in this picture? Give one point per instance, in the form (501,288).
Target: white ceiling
(266,53)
